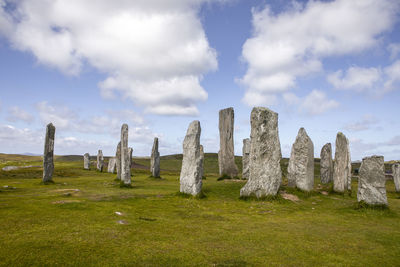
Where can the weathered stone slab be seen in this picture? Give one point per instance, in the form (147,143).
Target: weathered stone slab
(100,160)
(246,159)
(86,161)
(326,164)
(191,172)
(155,159)
(118,160)
(265,154)
(301,162)
(112,162)
(202,161)
(125,158)
(396,176)
(342,165)
(371,183)
(48,155)
(226,154)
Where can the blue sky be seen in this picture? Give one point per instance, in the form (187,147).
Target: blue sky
(89,66)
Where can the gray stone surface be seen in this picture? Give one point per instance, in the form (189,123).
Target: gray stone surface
(190,178)
(86,161)
(100,161)
(202,160)
(371,183)
(326,164)
(125,159)
(301,162)
(342,165)
(48,155)
(226,154)
(112,162)
(118,160)
(265,154)
(130,152)
(246,159)
(396,176)
(155,159)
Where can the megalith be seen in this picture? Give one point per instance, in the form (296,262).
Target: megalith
(191,172)
(155,159)
(326,164)
(396,176)
(86,161)
(100,160)
(265,155)
(301,162)
(226,154)
(118,160)
(371,182)
(125,158)
(111,165)
(246,158)
(342,165)
(48,155)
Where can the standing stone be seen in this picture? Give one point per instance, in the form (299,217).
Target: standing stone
(86,161)
(246,158)
(202,161)
(118,161)
(326,164)
(130,151)
(265,154)
(155,159)
(226,154)
(190,178)
(48,155)
(301,162)
(100,161)
(111,165)
(396,176)
(342,166)
(125,165)
(371,183)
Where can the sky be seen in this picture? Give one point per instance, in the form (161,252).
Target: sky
(89,66)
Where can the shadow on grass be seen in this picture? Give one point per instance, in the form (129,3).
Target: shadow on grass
(362,205)
(200,195)
(277,198)
(51,182)
(227,177)
(298,192)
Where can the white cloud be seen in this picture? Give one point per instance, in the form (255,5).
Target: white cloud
(315,103)
(293,43)
(17,114)
(154,52)
(376,81)
(364,124)
(355,78)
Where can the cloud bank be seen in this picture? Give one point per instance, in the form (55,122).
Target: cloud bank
(153,52)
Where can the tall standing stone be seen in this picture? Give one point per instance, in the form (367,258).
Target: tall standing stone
(326,164)
(342,166)
(301,162)
(100,161)
(371,182)
(86,161)
(202,161)
(396,176)
(265,154)
(190,178)
(246,158)
(155,159)
(111,165)
(118,161)
(226,154)
(125,164)
(48,155)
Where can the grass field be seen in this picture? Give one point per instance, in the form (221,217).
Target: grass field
(74,221)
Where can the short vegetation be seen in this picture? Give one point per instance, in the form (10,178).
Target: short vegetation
(86,219)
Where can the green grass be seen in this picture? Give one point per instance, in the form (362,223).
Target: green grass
(73,222)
